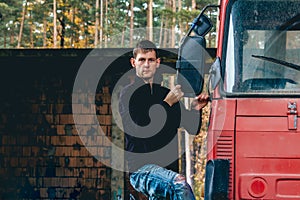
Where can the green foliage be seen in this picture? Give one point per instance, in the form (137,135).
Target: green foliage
(76,20)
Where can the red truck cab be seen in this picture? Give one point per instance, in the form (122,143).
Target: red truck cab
(255,88)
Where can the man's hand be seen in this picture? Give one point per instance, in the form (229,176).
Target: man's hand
(200,101)
(174,95)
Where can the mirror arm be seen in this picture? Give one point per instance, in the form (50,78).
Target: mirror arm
(194,23)
(196,20)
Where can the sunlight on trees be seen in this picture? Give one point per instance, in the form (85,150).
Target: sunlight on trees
(93,23)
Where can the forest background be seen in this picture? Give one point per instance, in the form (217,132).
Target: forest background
(96,23)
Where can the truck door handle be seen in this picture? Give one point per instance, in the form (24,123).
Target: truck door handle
(292,115)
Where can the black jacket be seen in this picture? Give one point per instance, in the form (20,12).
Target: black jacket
(150,124)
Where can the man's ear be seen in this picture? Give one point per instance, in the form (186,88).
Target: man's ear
(132,62)
(157,62)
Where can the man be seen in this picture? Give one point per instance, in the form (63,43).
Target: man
(151,114)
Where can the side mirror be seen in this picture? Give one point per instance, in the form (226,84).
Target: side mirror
(190,66)
(192,56)
(202,25)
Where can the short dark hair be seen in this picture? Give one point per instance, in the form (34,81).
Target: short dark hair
(144,46)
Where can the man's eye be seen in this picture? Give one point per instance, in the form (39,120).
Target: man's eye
(142,60)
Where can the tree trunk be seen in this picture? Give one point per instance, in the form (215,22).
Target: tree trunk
(101,23)
(22,24)
(106,24)
(124,28)
(12,36)
(54,25)
(181,29)
(166,24)
(86,40)
(161,30)
(166,34)
(44,32)
(31,36)
(131,22)
(194,5)
(63,30)
(31,30)
(4,38)
(96,40)
(150,20)
(72,20)
(173,23)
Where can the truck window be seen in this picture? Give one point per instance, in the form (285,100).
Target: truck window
(262,47)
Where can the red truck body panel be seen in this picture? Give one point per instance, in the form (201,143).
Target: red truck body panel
(255,134)
(260,135)
(254,119)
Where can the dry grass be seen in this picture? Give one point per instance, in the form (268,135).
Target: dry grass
(199,153)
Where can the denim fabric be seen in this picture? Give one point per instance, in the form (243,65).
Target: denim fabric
(158,183)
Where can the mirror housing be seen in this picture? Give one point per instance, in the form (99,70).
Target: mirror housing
(189,66)
(202,25)
(192,56)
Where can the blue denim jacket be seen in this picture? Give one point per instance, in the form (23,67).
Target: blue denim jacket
(158,183)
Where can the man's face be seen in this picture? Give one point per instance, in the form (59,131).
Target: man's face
(145,65)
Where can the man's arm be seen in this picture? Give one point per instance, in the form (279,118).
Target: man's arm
(174,95)
(191,120)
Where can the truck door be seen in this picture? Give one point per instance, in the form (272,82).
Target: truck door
(267,149)
(261,70)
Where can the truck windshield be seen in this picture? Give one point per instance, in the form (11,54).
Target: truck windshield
(263,47)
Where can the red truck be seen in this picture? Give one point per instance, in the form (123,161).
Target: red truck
(253,139)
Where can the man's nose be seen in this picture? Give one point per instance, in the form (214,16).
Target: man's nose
(147,62)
